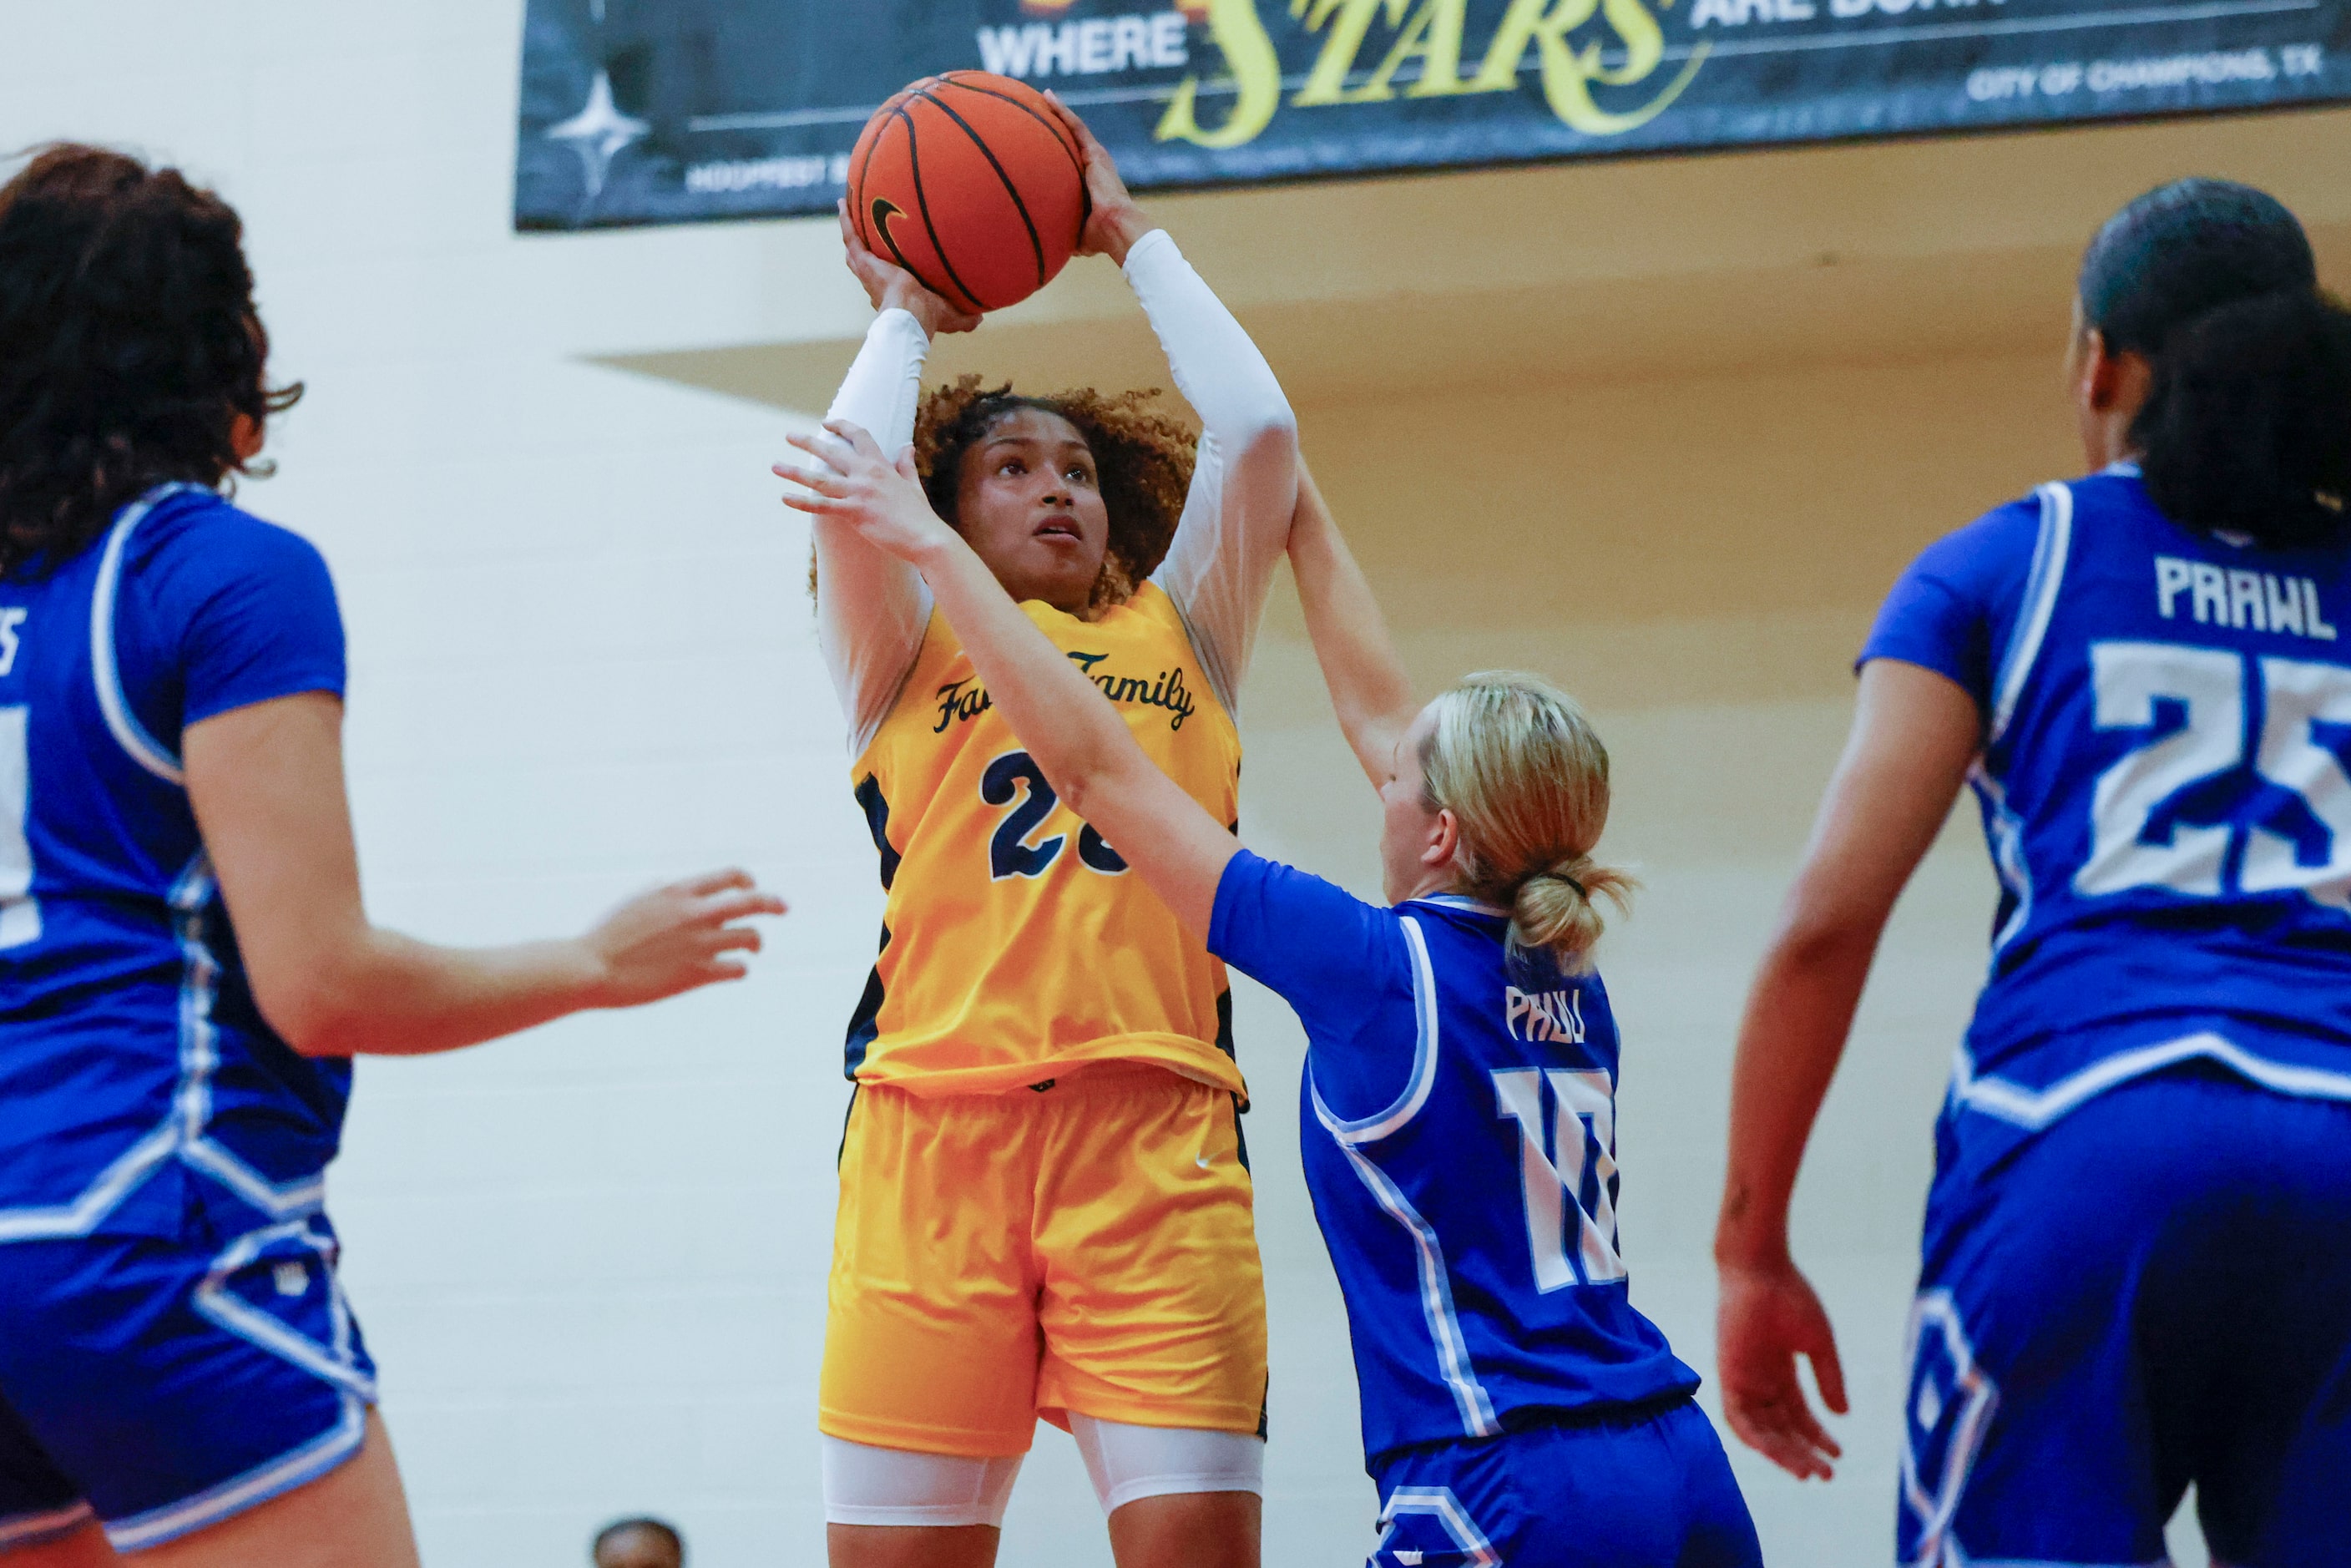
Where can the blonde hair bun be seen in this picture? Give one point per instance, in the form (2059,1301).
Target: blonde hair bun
(1516,761)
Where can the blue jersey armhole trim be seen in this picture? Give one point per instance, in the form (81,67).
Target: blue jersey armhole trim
(1470,1400)
(1381,1123)
(2040,588)
(105,669)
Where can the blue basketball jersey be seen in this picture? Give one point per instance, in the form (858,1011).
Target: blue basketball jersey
(2166,790)
(1458,1112)
(131,1054)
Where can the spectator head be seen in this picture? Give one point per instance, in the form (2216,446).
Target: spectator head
(639,1543)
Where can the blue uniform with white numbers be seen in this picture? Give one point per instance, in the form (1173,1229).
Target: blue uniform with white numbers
(1459,1138)
(2138,1257)
(173,1345)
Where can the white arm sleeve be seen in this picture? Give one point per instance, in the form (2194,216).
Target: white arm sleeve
(870,609)
(1235,522)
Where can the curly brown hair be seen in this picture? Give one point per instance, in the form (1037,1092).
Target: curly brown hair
(1143,454)
(129,346)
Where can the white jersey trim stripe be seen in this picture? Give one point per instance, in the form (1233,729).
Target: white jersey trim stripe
(304,1465)
(2034,1108)
(332,1363)
(98,1199)
(32,1528)
(1436,1284)
(1436,1296)
(183,1132)
(1371,1128)
(136,744)
(200,1058)
(2049,558)
(1440,1504)
(2005,832)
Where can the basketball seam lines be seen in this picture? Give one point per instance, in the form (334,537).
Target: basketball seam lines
(914,167)
(857,178)
(1075,155)
(1076,161)
(1036,246)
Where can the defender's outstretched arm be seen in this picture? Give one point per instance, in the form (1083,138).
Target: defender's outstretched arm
(1219,566)
(266,782)
(1089,756)
(1368,686)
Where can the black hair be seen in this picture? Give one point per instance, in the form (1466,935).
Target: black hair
(662,1528)
(128,345)
(2247,425)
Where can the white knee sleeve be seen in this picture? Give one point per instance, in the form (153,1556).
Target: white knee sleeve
(1130,1462)
(866,1485)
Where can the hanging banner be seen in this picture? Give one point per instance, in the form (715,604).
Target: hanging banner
(640,111)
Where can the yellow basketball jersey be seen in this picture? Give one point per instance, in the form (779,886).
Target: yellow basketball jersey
(1015,942)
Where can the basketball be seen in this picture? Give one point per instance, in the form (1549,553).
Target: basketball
(970,181)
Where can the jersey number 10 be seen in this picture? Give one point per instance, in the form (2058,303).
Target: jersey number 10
(1558,1170)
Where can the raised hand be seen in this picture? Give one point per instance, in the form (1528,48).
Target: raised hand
(1767,1316)
(882,500)
(890,287)
(1115,222)
(677,938)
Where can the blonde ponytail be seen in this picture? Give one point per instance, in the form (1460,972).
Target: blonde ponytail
(1517,763)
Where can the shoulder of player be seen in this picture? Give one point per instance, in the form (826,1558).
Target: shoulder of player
(1996,549)
(2011,525)
(202,527)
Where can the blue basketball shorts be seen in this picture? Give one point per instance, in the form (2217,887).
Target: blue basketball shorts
(1650,1488)
(163,1386)
(2154,1291)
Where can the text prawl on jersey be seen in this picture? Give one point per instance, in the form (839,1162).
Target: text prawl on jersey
(2255,601)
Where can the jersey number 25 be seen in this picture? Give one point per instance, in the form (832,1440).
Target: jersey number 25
(2188,809)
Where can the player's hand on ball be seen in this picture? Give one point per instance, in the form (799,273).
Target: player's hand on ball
(882,500)
(677,938)
(1768,1315)
(1115,222)
(890,287)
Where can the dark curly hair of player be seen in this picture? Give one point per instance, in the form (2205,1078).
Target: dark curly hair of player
(1143,454)
(129,346)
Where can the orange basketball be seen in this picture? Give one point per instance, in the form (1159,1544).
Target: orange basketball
(969,182)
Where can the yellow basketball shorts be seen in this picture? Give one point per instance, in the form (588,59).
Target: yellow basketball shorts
(1085,1247)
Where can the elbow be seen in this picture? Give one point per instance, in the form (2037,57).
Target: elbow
(311,1015)
(1270,433)
(1078,786)
(1258,430)
(1825,941)
(1096,777)
(317,1032)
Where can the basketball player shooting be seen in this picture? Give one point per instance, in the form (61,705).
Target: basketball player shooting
(1044,1207)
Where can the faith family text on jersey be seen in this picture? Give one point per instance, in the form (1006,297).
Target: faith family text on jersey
(966,699)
